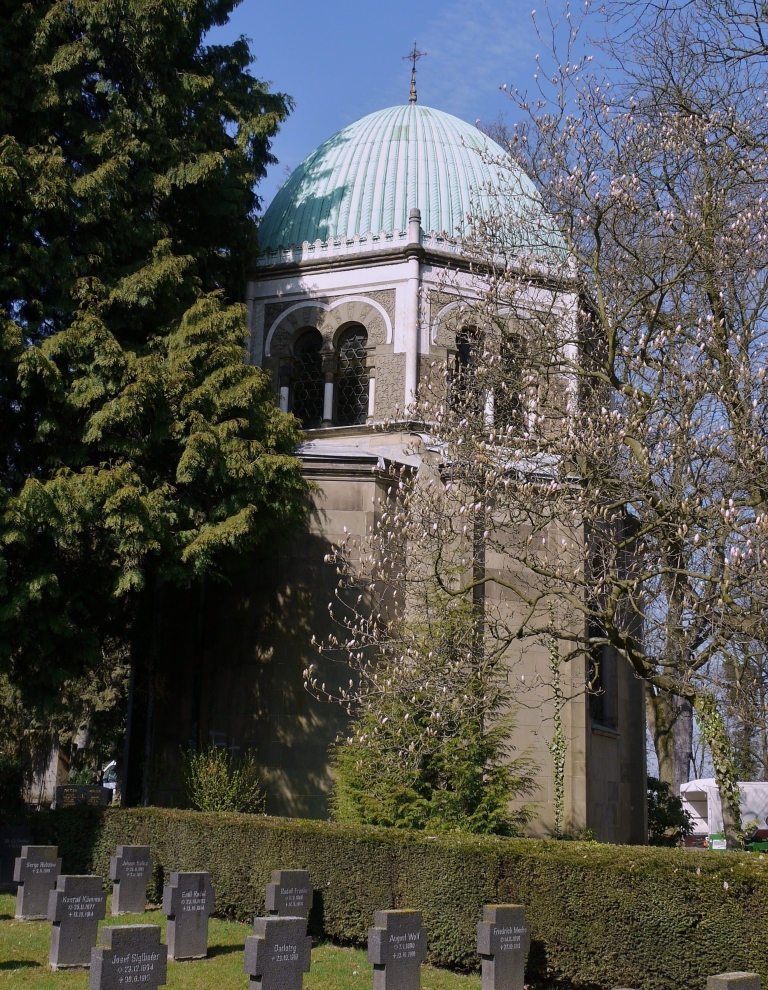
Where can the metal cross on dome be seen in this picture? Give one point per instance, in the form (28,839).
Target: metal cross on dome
(414,57)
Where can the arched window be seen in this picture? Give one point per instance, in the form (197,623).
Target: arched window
(507,393)
(463,387)
(308,380)
(352,377)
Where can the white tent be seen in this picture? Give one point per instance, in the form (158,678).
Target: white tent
(701,799)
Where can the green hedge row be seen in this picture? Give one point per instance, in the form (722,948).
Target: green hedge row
(600,915)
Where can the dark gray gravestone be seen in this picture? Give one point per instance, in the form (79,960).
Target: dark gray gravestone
(35,871)
(130,869)
(71,795)
(187,901)
(75,907)
(734,981)
(397,946)
(12,838)
(503,941)
(129,956)
(289,895)
(278,953)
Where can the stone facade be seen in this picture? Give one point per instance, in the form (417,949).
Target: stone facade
(235,676)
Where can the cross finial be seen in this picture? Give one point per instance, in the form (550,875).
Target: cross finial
(414,57)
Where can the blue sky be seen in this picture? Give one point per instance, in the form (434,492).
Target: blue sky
(342,59)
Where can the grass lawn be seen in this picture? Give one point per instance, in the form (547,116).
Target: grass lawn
(24,960)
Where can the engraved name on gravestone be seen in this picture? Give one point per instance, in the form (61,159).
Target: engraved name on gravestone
(75,907)
(129,956)
(35,871)
(71,795)
(397,946)
(188,900)
(12,838)
(503,941)
(289,894)
(278,954)
(130,869)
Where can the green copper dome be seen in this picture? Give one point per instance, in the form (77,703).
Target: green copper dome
(367,177)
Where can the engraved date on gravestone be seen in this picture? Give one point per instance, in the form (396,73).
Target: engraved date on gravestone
(129,956)
(503,941)
(75,907)
(397,946)
(130,869)
(35,871)
(278,953)
(289,893)
(188,900)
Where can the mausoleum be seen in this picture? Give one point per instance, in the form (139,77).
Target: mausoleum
(362,259)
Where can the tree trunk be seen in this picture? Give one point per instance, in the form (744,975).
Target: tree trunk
(682,743)
(670,721)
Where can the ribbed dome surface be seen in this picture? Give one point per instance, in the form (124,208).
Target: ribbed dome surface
(367,177)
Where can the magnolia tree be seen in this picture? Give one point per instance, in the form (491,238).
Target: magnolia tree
(430,694)
(658,469)
(598,440)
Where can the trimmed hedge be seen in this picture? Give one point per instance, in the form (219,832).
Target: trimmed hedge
(600,915)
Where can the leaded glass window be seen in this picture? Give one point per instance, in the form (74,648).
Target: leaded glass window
(508,405)
(352,378)
(308,379)
(463,386)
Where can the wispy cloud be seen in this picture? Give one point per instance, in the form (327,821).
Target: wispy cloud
(474,47)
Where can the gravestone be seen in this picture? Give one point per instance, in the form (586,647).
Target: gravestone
(289,894)
(12,838)
(129,956)
(71,795)
(75,907)
(130,869)
(35,871)
(278,953)
(187,901)
(397,946)
(503,941)
(734,981)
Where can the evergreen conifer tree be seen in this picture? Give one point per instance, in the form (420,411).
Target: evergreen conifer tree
(137,446)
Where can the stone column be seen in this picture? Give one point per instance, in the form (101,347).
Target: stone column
(329,370)
(413,253)
(371,394)
(285,376)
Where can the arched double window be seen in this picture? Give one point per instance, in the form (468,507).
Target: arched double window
(352,377)
(308,379)
(314,395)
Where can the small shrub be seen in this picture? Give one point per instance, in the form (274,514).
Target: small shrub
(668,823)
(215,780)
(84,775)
